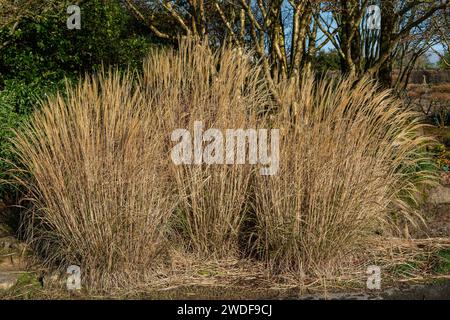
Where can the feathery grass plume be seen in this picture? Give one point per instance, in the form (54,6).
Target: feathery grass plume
(224,91)
(96,178)
(347,152)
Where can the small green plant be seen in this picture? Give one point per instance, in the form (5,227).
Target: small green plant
(405,269)
(26,287)
(443,263)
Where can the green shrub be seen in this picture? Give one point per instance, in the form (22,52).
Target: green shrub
(43,46)
(326,61)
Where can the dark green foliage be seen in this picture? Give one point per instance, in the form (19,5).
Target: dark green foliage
(327,61)
(44,47)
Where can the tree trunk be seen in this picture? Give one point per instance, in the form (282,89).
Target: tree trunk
(387,26)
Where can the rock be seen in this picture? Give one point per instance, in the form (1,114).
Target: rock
(12,254)
(440,195)
(11,244)
(8,280)
(12,262)
(8,243)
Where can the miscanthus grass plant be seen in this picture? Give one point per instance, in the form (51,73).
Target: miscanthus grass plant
(106,195)
(94,170)
(350,161)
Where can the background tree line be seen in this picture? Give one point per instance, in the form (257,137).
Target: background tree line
(288,35)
